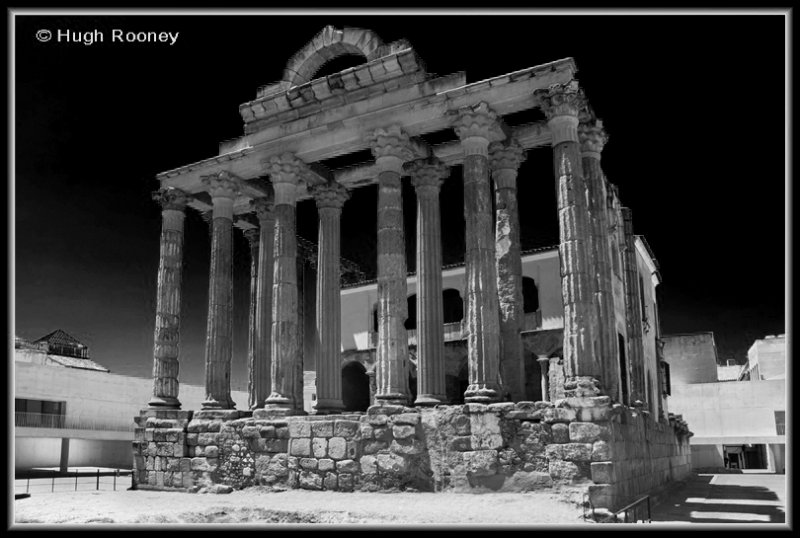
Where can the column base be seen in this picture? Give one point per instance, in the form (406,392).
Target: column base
(164,402)
(394,398)
(328,407)
(480,393)
(429,400)
(211,403)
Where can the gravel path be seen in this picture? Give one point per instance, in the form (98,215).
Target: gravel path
(258,506)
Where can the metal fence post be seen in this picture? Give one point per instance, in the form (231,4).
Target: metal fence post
(53,485)
(76,480)
(28,486)
(115,479)
(98,480)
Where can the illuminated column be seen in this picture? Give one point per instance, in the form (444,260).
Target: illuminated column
(285,171)
(391,149)
(427,176)
(593,138)
(330,198)
(504,160)
(168,299)
(561,104)
(219,329)
(260,385)
(477,126)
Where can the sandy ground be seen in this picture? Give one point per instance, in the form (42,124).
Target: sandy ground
(258,506)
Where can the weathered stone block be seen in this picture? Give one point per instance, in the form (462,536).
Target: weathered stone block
(373,447)
(322,428)
(337,448)
(347,466)
(603,472)
(391,463)
(178,450)
(275,445)
(411,419)
(299,428)
(282,432)
(149,435)
(165,449)
(481,462)
(588,432)
(267,432)
(208,438)
(377,420)
(368,464)
(528,481)
(250,432)
(406,447)
(326,464)
(346,482)
(560,432)
(402,431)
(366,431)
(564,471)
(319,447)
(601,451)
(309,480)
(191,439)
(211,451)
(461,425)
(569,452)
(308,463)
(330,481)
(300,447)
(460,444)
(385,410)
(346,428)
(558,414)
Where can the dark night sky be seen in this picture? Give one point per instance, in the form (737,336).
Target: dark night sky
(694,107)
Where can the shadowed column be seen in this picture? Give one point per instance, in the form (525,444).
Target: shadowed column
(219,329)
(284,171)
(391,149)
(427,176)
(260,363)
(633,313)
(593,138)
(561,103)
(166,345)
(330,198)
(504,160)
(477,126)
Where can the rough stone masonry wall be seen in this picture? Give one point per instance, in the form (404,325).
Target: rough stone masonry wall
(611,451)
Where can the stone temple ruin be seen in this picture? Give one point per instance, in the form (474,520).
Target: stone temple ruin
(595,430)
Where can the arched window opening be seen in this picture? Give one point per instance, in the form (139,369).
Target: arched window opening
(530,295)
(453,306)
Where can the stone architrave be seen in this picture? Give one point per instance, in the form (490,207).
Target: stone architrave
(391,148)
(223,189)
(427,176)
(260,364)
(330,199)
(633,313)
(561,104)
(166,344)
(285,171)
(504,161)
(593,138)
(477,126)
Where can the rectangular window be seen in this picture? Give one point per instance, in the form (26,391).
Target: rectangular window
(780,422)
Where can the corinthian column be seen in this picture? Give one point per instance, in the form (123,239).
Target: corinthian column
(593,138)
(561,104)
(260,364)
(391,149)
(285,171)
(633,313)
(504,160)
(427,176)
(219,329)
(330,198)
(168,299)
(477,126)
(252,234)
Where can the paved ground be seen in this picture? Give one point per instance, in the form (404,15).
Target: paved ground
(725,498)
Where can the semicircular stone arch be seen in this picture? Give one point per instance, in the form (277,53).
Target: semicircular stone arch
(330,43)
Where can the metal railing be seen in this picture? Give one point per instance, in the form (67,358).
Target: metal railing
(75,481)
(636,512)
(43,420)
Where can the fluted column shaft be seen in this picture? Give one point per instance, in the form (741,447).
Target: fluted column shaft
(427,176)
(252,234)
(504,161)
(390,147)
(330,198)
(284,171)
(633,312)
(476,126)
(219,329)
(166,339)
(561,104)
(593,138)
(260,384)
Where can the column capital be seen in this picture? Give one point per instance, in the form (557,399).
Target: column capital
(329,195)
(562,99)
(264,208)
(476,126)
(391,147)
(171,198)
(221,185)
(505,155)
(252,235)
(428,172)
(284,168)
(592,137)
